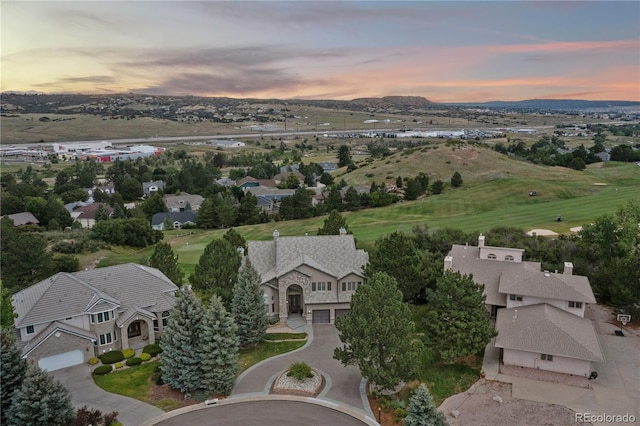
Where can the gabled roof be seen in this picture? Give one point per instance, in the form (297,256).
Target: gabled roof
(546,285)
(52,329)
(175,200)
(261,182)
(545,329)
(89,211)
(182,217)
(261,191)
(66,295)
(24,218)
(335,255)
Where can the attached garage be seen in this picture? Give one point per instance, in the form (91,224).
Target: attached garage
(63,360)
(341,312)
(321,316)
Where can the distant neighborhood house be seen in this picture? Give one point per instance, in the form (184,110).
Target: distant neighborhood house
(182,202)
(24,218)
(176,220)
(149,188)
(222,143)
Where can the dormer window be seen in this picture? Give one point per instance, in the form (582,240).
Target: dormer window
(509,258)
(577,305)
(30,329)
(491,256)
(101,317)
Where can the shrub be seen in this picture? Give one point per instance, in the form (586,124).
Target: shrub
(300,371)
(128,353)
(111,357)
(400,413)
(93,360)
(103,369)
(119,365)
(133,361)
(145,356)
(157,376)
(152,350)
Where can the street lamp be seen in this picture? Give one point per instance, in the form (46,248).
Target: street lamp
(379,411)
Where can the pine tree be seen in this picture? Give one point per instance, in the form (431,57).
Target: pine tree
(422,411)
(235,239)
(248,306)
(40,400)
(217,270)
(166,261)
(333,223)
(12,372)
(456,180)
(181,363)
(219,346)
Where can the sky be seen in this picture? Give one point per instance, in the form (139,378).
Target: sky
(453,51)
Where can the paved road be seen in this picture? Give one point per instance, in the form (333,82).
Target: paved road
(343,385)
(84,391)
(267,412)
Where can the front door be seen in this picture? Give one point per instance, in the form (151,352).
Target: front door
(294,304)
(134,329)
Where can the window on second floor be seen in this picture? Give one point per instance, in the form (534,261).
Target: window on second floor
(30,329)
(350,285)
(491,256)
(106,338)
(509,258)
(573,304)
(101,317)
(165,318)
(546,357)
(515,297)
(321,286)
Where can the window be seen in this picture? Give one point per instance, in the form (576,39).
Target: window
(273,307)
(105,339)
(344,286)
(30,329)
(575,304)
(101,317)
(491,256)
(155,325)
(546,357)
(321,286)
(509,258)
(515,297)
(313,286)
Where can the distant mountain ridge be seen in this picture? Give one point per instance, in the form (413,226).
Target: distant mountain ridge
(551,104)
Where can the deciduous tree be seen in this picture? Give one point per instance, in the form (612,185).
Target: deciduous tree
(378,335)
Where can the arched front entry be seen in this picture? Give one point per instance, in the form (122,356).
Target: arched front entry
(295,302)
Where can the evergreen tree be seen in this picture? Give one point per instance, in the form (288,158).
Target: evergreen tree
(334,200)
(422,411)
(333,223)
(166,261)
(248,306)
(219,345)
(248,211)
(344,156)
(217,270)
(7,314)
(181,358)
(153,204)
(40,400)
(456,180)
(352,199)
(13,369)
(297,206)
(413,190)
(206,217)
(235,239)
(377,334)
(437,187)
(456,324)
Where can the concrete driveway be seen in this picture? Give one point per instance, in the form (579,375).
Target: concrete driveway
(343,385)
(84,391)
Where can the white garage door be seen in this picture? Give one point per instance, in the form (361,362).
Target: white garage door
(63,360)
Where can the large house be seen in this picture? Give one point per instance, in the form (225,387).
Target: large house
(70,317)
(183,202)
(539,315)
(176,219)
(313,276)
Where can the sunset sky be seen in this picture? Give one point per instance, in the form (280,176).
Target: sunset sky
(452,51)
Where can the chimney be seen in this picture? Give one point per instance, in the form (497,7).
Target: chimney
(568,268)
(448,263)
(276,234)
(481,241)
(343,231)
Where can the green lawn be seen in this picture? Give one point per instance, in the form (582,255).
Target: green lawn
(285,336)
(445,380)
(135,382)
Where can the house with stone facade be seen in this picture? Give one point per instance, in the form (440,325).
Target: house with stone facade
(68,318)
(311,276)
(539,315)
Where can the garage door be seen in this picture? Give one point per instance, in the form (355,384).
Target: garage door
(321,316)
(63,360)
(341,312)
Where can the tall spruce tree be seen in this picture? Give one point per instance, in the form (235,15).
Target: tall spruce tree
(456,324)
(422,411)
(219,346)
(248,306)
(181,362)
(40,400)
(377,334)
(217,270)
(166,261)
(333,223)
(12,372)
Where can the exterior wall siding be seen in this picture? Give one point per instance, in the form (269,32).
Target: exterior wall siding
(560,304)
(64,343)
(560,364)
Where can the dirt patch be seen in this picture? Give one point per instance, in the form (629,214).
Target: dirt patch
(159,393)
(477,406)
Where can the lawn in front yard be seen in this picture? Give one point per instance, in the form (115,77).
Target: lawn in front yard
(135,382)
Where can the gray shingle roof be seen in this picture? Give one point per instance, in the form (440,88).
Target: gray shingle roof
(545,329)
(182,217)
(24,218)
(335,255)
(66,295)
(547,285)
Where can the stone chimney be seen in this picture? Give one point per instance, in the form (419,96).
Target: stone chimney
(276,234)
(481,241)
(343,231)
(568,268)
(448,263)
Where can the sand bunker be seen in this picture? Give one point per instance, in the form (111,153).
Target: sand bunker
(576,229)
(601,184)
(542,232)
